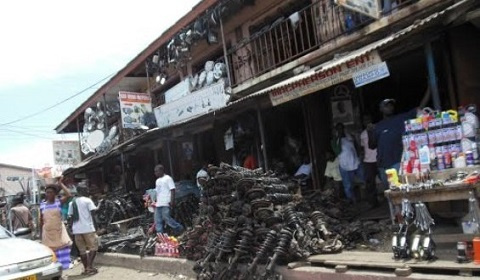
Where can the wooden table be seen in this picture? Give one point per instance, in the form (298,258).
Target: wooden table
(444,193)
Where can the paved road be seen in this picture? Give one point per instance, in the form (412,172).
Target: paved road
(109,272)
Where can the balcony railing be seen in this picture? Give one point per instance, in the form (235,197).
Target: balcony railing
(287,39)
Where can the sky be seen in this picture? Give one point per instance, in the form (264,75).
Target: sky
(53,49)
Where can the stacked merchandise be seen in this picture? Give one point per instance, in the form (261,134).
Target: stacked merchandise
(167,246)
(441,140)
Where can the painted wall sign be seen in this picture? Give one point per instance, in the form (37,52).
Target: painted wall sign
(66,152)
(323,79)
(371,74)
(195,104)
(133,106)
(369,8)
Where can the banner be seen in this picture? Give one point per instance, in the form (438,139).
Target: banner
(323,79)
(66,152)
(133,107)
(371,8)
(195,104)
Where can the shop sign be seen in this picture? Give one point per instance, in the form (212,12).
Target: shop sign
(178,91)
(133,107)
(323,79)
(371,74)
(195,104)
(66,152)
(369,8)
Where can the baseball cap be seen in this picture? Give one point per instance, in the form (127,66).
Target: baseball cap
(387,101)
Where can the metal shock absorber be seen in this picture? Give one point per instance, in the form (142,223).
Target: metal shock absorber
(211,248)
(267,245)
(226,243)
(319,223)
(292,220)
(243,247)
(284,239)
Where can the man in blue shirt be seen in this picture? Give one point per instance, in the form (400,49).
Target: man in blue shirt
(386,135)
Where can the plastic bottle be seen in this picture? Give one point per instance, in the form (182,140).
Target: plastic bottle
(476,250)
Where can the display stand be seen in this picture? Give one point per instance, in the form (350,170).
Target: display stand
(448,192)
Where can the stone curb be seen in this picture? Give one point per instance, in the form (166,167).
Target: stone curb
(174,266)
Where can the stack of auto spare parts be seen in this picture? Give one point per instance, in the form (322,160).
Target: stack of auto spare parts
(250,221)
(420,244)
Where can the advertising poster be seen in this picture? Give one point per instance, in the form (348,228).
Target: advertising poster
(66,152)
(133,107)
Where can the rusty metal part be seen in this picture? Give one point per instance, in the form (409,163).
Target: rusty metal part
(265,248)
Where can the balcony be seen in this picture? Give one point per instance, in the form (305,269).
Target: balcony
(287,39)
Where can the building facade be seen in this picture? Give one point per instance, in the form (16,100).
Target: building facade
(270,79)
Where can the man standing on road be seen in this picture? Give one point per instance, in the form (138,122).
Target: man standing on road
(80,211)
(165,188)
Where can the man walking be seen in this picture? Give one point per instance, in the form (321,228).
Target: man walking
(80,211)
(20,215)
(165,188)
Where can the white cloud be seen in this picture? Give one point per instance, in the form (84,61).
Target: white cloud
(45,39)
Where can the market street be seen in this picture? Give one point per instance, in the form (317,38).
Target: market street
(240,139)
(110,272)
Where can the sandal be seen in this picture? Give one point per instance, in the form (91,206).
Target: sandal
(92,271)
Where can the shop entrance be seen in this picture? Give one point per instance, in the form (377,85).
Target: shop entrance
(285,136)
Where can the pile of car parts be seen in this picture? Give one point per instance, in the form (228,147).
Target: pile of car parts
(250,220)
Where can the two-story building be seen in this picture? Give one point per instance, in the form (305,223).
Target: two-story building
(270,79)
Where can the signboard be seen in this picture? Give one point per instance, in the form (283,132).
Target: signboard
(195,104)
(133,107)
(371,74)
(178,91)
(323,79)
(66,152)
(369,8)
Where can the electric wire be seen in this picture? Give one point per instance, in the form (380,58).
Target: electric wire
(28,134)
(56,104)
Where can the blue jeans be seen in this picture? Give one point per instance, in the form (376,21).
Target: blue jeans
(347,180)
(162,214)
(383,175)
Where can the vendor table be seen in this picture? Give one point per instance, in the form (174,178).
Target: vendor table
(444,193)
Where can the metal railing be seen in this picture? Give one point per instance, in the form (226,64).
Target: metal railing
(289,38)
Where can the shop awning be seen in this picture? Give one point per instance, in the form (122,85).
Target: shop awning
(342,67)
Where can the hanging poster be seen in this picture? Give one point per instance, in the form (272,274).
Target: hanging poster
(66,152)
(195,104)
(133,108)
(369,8)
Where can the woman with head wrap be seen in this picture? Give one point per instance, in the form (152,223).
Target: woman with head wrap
(53,233)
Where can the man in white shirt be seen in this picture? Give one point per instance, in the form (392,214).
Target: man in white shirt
(165,188)
(80,210)
(202,176)
(344,146)
(369,163)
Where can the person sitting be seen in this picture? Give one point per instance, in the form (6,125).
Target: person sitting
(304,171)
